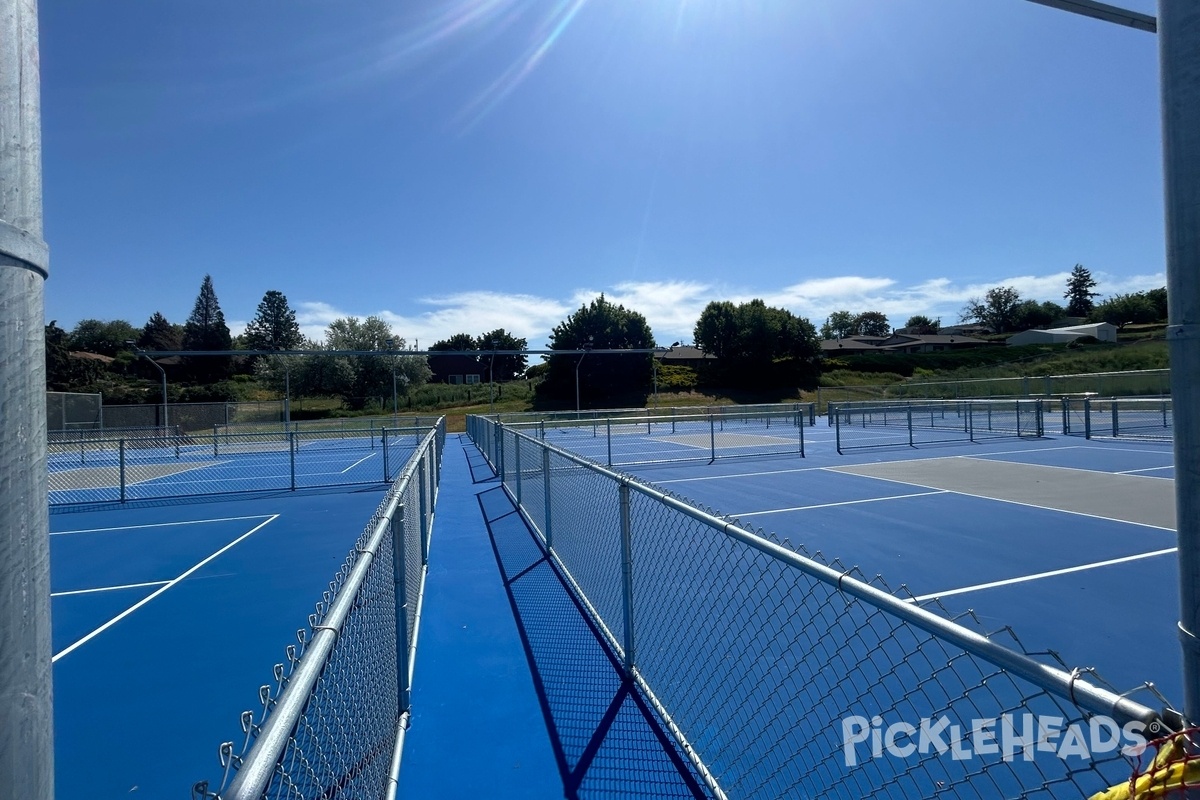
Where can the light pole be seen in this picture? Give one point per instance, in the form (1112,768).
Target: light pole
(492,380)
(141,352)
(654,359)
(391,345)
(586,347)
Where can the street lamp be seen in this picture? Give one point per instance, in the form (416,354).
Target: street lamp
(654,360)
(142,352)
(492,380)
(391,345)
(587,346)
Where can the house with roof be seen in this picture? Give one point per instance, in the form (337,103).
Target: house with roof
(1102,331)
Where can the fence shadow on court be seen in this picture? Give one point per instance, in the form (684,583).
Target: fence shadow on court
(606,738)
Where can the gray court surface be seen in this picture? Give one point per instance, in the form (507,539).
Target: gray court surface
(1128,498)
(705,440)
(110,476)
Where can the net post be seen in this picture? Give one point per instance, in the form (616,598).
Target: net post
(908,412)
(608,437)
(400,583)
(292,457)
(121,467)
(1087,418)
(800,427)
(627,578)
(548,533)
(837,431)
(1116,421)
(214,441)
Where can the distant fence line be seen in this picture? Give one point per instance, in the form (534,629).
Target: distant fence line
(1126,383)
(159,463)
(755,652)
(332,721)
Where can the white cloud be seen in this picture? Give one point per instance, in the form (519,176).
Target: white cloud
(672,306)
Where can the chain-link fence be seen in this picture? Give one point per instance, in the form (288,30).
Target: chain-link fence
(663,438)
(162,463)
(1148,418)
(68,411)
(782,675)
(807,410)
(332,722)
(860,426)
(1130,382)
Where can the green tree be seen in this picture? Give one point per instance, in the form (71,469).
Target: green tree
(1158,299)
(1032,314)
(205,329)
(58,359)
(600,325)
(716,329)
(997,311)
(504,368)
(1123,309)
(1079,292)
(360,378)
(871,323)
(839,325)
(106,338)
(160,334)
(921,325)
(274,326)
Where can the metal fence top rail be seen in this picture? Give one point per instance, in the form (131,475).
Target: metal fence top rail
(260,763)
(1066,685)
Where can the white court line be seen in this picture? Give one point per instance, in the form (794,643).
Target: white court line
(107,588)
(1040,575)
(356,463)
(1146,469)
(173,474)
(982,457)
(842,503)
(161,524)
(161,589)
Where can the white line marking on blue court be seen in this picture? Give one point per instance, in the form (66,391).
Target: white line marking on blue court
(356,463)
(108,588)
(163,524)
(842,503)
(741,475)
(1040,575)
(162,589)
(1146,469)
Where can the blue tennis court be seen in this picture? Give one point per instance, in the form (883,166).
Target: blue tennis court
(167,617)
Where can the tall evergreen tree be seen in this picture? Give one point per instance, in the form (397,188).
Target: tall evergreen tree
(504,368)
(274,326)
(206,330)
(1079,292)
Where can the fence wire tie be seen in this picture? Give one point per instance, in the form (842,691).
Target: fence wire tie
(1075,673)
(336,633)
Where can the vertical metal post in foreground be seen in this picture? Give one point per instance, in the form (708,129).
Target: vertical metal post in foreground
(627,576)
(548,533)
(26,697)
(1179,62)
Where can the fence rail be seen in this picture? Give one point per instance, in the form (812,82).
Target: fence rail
(160,463)
(808,410)
(332,723)
(761,657)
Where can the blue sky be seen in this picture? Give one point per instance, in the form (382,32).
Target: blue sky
(461,165)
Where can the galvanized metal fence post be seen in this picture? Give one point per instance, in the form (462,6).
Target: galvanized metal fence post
(1116,419)
(908,410)
(26,695)
(517,466)
(548,533)
(608,438)
(387,474)
(292,457)
(1179,59)
(121,468)
(627,577)
(400,582)
(423,489)
(712,436)
(1087,418)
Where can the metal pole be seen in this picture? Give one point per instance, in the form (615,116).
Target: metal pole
(287,392)
(1179,62)
(548,534)
(26,692)
(627,576)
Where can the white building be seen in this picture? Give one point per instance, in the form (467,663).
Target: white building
(1103,331)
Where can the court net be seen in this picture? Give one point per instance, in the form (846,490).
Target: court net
(780,674)
(331,723)
(861,426)
(1146,418)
